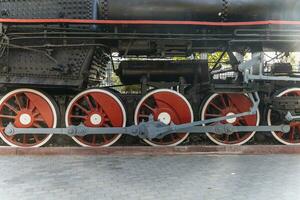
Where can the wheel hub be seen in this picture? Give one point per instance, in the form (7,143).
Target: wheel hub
(231,120)
(95,119)
(25,119)
(164,117)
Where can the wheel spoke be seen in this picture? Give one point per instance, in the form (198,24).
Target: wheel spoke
(173,136)
(27,103)
(237,136)
(78,116)
(87,99)
(18,101)
(33,109)
(216,107)
(37,113)
(143,116)
(298,130)
(292,134)
(227,138)
(149,107)
(39,119)
(94,139)
(105,120)
(8,116)
(81,108)
(241,121)
(35,138)
(105,138)
(24,139)
(98,108)
(280,134)
(36,125)
(223,100)
(11,108)
(230,103)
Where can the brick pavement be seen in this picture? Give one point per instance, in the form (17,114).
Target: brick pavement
(195,177)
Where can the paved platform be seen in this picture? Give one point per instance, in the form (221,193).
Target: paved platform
(181,177)
(147,150)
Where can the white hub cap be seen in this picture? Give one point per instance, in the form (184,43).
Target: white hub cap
(165,118)
(231,120)
(96,119)
(25,119)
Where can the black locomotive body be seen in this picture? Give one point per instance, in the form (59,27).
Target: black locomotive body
(64,47)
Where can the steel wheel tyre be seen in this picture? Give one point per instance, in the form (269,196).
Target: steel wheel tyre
(293,137)
(220,105)
(96,108)
(167,106)
(27,108)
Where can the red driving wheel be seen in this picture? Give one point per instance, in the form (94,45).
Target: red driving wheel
(27,108)
(166,106)
(275,118)
(220,105)
(96,108)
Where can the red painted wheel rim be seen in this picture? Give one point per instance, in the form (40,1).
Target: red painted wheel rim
(220,105)
(170,104)
(26,109)
(96,103)
(274,118)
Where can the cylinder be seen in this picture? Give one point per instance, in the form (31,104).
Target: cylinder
(200,10)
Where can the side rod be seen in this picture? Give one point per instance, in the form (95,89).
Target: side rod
(149,130)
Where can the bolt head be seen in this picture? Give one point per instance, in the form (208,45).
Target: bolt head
(9,131)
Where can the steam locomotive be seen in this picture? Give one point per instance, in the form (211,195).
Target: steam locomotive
(55,56)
